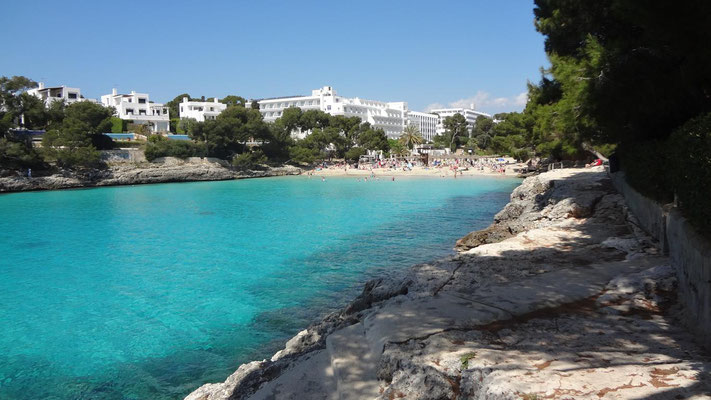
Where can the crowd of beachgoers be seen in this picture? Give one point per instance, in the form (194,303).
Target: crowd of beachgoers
(442,167)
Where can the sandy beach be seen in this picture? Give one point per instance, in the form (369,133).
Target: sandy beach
(444,171)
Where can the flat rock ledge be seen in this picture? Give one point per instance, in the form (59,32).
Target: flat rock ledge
(140,173)
(561,298)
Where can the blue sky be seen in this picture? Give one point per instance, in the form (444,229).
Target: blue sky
(427,53)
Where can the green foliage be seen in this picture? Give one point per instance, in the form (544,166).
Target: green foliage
(501,145)
(521,155)
(102,142)
(627,73)
(229,133)
(312,119)
(127,143)
(18,155)
(551,149)
(465,359)
(118,125)
(646,166)
(354,153)
(291,118)
(372,139)
(233,100)
(482,141)
(80,157)
(327,142)
(173,126)
(139,129)
(93,118)
(160,146)
(397,148)
(690,160)
(456,129)
(187,125)
(173,107)
(72,144)
(483,126)
(33,111)
(303,155)
(249,160)
(15,85)
(442,141)
(411,136)
(606,149)
(276,146)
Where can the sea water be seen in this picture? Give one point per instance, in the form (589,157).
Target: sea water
(147,292)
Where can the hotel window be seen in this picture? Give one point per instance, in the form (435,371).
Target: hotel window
(141,101)
(129,111)
(165,111)
(141,112)
(72,95)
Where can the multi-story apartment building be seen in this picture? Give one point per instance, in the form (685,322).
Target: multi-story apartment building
(391,117)
(56,93)
(425,122)
(200,110)
(469,114)
(138,108)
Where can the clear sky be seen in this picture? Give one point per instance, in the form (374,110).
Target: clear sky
(427,53)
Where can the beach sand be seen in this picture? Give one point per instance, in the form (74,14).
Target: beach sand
(510,170)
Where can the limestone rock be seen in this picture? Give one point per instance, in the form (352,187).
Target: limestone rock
(167,170)
(559,298)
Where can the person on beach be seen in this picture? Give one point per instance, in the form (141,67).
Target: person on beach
(29,172)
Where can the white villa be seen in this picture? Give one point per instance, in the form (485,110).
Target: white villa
(200,110)
(469,114)
(390,117)
(56,93)
(137,107)
(425,122)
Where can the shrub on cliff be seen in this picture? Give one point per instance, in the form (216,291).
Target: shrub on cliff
(249,160)
(160,146)
(18,155)
(690,158)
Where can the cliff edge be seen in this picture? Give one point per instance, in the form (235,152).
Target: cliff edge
(166,170)
(561,297)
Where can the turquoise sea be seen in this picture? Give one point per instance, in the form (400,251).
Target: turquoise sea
(147,292)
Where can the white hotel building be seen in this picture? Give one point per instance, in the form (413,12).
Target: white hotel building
(390,117)
(200,110)
(56,93)
(425,122)
(138,108)
(469,114)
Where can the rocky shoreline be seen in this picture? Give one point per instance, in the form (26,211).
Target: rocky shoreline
(562,296)
(171,170)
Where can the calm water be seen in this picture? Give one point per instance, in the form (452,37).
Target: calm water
(149,291)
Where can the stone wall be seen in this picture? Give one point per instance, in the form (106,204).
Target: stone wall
(690,254)
(123,156)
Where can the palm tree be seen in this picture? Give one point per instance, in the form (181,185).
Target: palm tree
(411,136)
